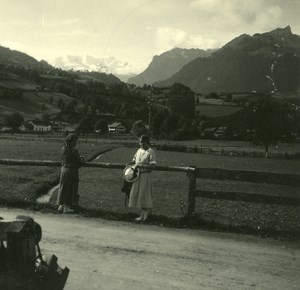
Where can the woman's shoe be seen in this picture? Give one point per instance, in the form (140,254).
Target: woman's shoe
(68,210)
(60,209)
(139,219)
(145,215)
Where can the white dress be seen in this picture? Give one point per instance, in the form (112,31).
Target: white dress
(141,190)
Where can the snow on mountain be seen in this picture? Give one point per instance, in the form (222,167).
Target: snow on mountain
(109,65)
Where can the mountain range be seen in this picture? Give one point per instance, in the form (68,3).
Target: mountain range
(264,62)
(267,62)
(167,64)
(109,65)
(17,58)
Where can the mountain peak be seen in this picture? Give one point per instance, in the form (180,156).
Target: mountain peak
(166,64)
(265,62)
(286,30)
(281,32)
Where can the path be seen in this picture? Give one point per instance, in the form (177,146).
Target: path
(105,254)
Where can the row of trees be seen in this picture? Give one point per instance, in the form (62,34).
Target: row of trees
(268,118)
(265,121)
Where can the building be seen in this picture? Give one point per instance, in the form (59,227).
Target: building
(116,127)
(220,133)
(40,126)
(65,127)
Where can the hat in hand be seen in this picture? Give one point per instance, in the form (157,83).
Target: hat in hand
(130,173)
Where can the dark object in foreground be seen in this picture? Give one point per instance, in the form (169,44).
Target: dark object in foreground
(22,266)
(126,187)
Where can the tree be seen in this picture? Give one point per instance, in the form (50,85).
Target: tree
(69,108)
(45,117)
(85,125)
(102,125)
(182,100)
(60,103)
(269,122)
(139,128)
(228,97)
(169,125)
(14,120)
(43,107)
(157,121)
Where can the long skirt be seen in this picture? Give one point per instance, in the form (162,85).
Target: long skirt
(68,187)
(141,192)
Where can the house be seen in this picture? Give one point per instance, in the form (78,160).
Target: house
(116,127)
(67,128)
(220,133)
(63,127)
(208,133)
(40,125)
(22,128)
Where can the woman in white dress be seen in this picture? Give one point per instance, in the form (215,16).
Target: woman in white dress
(141,190)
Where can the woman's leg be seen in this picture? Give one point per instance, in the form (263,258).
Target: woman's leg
(145,214)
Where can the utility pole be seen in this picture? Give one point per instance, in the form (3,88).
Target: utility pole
(149,104)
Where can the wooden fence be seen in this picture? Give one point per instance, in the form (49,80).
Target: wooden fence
(194,173)
(256,177)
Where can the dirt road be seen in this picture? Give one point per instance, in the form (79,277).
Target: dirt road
(105,254)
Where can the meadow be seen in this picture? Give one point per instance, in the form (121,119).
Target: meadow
(215,110)
(100,188)
(21,185)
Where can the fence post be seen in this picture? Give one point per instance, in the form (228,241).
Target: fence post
(191,193)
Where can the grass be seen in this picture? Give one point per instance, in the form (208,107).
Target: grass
(31,102)
(22,185)
(100,193)
(100,188)
(17,84)
(216,110)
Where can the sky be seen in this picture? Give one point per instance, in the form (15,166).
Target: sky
(128,33)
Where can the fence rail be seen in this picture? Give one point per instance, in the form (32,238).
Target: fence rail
(91,164)
(242,176)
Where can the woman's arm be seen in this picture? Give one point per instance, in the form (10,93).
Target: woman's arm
(77,158)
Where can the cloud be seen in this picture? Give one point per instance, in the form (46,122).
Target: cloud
(86,62)
(74,32)
(237,12)
(168,38)
(64,22)
(208,6)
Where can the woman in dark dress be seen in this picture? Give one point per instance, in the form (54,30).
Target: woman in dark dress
(69,178)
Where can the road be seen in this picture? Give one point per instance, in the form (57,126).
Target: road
(104,254)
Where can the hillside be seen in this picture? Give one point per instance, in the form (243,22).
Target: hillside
(33,87)
(17,58)
(267,62)
(30,103)
(166,64)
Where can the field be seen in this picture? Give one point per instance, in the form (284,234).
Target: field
(30,105)
(22,185)
(100,187)
(215,110)
(17,84)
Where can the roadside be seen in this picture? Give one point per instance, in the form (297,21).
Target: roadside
(107,201)
(104,254)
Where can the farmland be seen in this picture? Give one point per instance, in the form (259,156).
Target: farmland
(100,187)
(32,103)
(212,110)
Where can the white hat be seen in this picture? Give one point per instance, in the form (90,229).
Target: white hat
(130,173)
